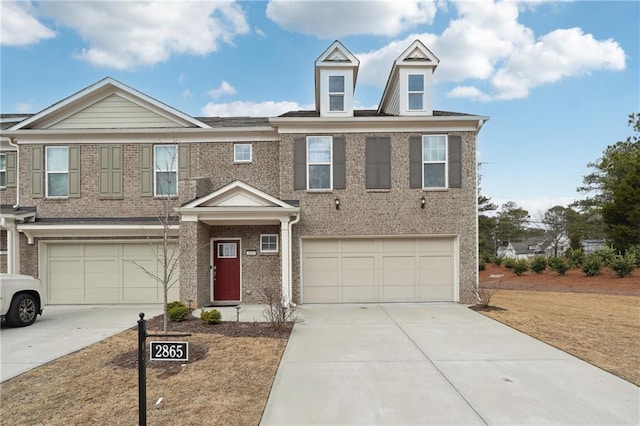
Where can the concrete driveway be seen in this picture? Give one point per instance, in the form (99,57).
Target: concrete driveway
(406,364)
(62,330)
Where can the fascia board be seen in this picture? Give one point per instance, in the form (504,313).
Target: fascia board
(287,125)
(196,204)
(34,230)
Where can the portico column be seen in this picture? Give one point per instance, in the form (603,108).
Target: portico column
(285,260)
(13,246)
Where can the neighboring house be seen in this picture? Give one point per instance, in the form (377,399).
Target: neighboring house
(527,249)
(593,245)
(333,205)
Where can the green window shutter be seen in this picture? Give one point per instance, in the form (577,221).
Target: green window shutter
(455,161)
(378,163)
(37,171)
(146,170)
(116,172)
(300,163)
(12,169)
(339,171)
(415,162)
(110,181)
(183,162)
(74,171)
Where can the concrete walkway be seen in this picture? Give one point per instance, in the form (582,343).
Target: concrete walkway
(410,364)
(63,329)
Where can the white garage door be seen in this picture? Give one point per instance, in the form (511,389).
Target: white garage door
(103,273)
(378,270)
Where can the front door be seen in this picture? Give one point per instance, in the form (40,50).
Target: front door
(226,270)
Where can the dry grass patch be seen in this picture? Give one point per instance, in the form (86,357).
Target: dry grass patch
(598,328)
(229,385)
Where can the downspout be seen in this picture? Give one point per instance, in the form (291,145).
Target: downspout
(17,173)
(290,271)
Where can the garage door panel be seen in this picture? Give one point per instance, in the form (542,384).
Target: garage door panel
(103,273)
(378,270)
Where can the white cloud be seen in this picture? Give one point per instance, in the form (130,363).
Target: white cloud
(251,109)
(186,94)
(260,33)
(334,19)
(24,107)
(224,89)
(125,35)
(488,44)
(18,25)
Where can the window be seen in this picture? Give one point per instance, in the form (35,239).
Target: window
(336,93)
(3,171)
(242,153)
(227,250)
(319,162)
(269,243)
(434,161)
(166,170)
(416,92)
(57,162)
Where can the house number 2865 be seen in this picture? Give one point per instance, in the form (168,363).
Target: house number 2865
(169,351)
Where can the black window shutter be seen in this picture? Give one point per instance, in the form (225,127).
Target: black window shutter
(378,163)
(339,171)
(415,162)
(300,163)
(455,161)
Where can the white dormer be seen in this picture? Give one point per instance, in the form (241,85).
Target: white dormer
(336,71)
(408,90)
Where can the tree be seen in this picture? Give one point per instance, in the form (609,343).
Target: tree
(511,222)
(556,224)
(614,184)
(486,224)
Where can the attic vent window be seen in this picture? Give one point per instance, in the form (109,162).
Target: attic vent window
(336,93)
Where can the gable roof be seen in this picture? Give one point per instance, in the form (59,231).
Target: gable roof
(98,92)
(335,56)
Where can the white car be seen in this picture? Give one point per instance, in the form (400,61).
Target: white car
(21,299)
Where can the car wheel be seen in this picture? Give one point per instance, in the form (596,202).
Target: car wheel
(23,311)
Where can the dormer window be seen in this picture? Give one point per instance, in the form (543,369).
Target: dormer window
(416,92)
(336,93)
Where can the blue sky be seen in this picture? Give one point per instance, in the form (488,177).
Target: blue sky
(558,79)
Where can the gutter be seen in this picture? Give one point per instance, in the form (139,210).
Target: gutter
(290,271)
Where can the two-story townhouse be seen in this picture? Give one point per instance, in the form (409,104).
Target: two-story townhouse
(334,205)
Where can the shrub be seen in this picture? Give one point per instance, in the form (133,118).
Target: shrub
(623,265)
(592,264)
(520,267)
(559,265)
(482,265)
(178,312)
(211,317)
(498,260)
(635,252)
(539,264)
(509,263)
(575,256)
(484,295)
(606,254)
(173,304)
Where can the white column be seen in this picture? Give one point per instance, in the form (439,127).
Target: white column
(13,246)
(285,260)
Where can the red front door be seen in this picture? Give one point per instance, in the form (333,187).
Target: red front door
(226,270)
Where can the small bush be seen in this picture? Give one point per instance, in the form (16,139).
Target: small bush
(482,265)
(212,316)
(559,265)
(173,304)
(498,260)
(624,265)
(178,312)
(575,256)
(520,267)
(592,264)
(484,295)
(635,252)
(606,255)
(509,263)
(539,264)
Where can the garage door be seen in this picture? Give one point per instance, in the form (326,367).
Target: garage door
(378,270)
(103,273)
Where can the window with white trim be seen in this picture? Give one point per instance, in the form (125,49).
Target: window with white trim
(242,153)
(434,161)
(227,250)
(319,162)
(57,170)
(269,243)
(416,92)
(3,171)
(165,176)
(336,93)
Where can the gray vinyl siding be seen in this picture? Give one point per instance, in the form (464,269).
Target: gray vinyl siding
(111,172)
(378,163)
(114,112)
